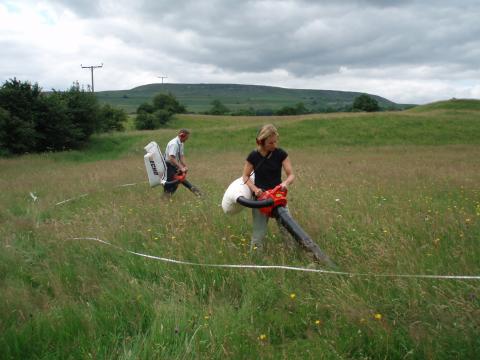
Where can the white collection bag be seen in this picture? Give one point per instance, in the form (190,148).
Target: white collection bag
(155,164)
(234,191)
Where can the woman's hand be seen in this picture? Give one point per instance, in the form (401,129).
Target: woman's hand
(258,192)
(284,186)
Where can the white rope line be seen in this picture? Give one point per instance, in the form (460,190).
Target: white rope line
(283,267)
(65,201)
(83,195)
(125,185)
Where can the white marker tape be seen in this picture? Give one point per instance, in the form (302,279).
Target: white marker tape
(283,267)
(65,201)
(83,195)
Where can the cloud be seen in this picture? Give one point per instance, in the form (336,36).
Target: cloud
(407,51)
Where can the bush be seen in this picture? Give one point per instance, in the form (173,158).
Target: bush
(365,103)
(298,109)
(158,114)
(169,103)
(218,108)
(145,121)
(19,101)
(145,107)
(244,112)
(16,135)
(161,117)
(111,119)
(83,110)
(264,112)
(55,129)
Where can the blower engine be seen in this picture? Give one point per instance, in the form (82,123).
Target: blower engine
(272,203)
(157,170)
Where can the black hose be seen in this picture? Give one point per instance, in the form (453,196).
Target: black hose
(191,187)
(173,182)
(254,204)
(301,236)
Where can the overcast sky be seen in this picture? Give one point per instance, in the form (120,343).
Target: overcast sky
(405,50)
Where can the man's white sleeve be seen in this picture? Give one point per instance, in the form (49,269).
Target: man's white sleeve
(171,150)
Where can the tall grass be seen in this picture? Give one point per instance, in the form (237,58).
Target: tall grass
(383,194)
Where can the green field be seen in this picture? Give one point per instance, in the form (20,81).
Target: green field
(385,193)
(198,97)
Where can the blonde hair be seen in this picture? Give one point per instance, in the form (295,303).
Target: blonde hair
(264,133)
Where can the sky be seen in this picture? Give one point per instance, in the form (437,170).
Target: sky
(407,51)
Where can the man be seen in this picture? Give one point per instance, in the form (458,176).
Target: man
(175,159)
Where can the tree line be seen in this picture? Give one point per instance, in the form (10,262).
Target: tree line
(159,112)
(35,121)
(362,102)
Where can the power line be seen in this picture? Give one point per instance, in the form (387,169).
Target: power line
(91,70)
(162,77)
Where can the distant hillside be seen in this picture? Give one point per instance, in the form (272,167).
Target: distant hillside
(198,97)
(452,104)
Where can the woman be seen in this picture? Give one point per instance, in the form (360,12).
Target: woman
(266,163)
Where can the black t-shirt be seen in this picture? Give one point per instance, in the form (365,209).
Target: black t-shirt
(268,170)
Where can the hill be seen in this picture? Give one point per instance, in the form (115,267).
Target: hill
(198,97)
(452,104)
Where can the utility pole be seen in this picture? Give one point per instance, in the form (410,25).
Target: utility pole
(91,70)
(162,77)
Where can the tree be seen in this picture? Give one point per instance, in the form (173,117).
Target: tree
(298,109)
(161,117)
(83,109)
(55,129)
(145,107)
(153,116)
(169,103)
(16,135)
(144,121)
(18,101)
(365,103)
(33,121)
(264,112)
(111,119)
(245,112)
(218,108)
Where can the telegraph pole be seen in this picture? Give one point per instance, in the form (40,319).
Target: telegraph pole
(91,70)
(162,77)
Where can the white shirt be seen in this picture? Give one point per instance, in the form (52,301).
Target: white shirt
(175,148)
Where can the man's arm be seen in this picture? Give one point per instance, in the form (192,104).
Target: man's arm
(178,164)
(182,162)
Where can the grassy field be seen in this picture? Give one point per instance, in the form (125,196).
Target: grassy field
(389,193)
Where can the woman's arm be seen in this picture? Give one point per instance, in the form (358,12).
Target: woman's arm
(287,166)
(247,170)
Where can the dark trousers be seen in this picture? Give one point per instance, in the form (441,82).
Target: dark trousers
(171,171)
